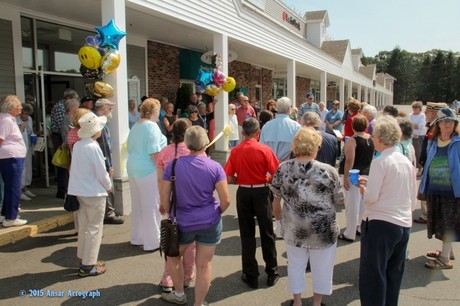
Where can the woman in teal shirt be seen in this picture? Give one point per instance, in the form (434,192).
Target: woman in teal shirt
(145,141)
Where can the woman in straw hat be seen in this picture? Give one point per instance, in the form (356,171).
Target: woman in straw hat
(90,182)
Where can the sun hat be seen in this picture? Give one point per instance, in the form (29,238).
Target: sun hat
(446,114)
(90,124)
(435,106)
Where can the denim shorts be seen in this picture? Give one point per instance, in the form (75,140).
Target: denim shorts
(209,236)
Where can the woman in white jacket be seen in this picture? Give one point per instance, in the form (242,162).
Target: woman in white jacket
(90,182)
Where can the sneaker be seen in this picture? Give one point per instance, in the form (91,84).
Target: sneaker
(166,289)
(24,197)
(29,193)
(114,220)
(2,218)
(15,222)
(272,280)
(173,298)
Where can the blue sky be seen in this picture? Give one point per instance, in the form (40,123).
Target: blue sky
(413,25)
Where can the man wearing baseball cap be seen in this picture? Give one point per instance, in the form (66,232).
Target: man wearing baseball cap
(308,106)
(103,107)
(431,111)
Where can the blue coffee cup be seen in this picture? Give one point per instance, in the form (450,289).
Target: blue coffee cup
(33,139)
(353,174)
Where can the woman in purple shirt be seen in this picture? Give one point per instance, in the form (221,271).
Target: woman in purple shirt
(198,212)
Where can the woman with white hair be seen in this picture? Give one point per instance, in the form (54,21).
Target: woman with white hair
(12,154)
(370,112)
(389,199)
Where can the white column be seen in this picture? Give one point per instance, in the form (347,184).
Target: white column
(291,84)
(366,94)
(119,130)
(220,46)
(358,96)
(349,89)
(372,100)
(115,9)
(323,81)
(342,93)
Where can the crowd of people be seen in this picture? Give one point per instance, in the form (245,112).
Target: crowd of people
(291,165)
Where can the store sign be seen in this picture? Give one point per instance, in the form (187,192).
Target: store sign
(280,71)
(207,57)
(291,20)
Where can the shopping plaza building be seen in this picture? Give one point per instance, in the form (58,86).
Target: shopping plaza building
(268,48)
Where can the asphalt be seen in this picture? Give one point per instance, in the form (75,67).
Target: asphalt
(39,260)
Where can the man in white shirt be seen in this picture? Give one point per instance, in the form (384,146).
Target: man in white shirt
(418,121)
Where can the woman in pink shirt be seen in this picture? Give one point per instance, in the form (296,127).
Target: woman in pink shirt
(12,154)
(176,149)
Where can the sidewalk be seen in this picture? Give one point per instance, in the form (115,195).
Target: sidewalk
(43,213)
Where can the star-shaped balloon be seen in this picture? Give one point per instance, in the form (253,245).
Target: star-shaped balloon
(110,35)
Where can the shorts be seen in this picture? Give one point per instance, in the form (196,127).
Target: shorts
(209,236)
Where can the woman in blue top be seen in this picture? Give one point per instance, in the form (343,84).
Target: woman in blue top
(145,141)
(441,182)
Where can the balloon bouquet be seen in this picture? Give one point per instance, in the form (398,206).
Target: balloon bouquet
(99,57)
(211,82)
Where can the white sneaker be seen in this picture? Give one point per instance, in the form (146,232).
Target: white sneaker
(24,197)
(2,218)
(29,193)
(15,222)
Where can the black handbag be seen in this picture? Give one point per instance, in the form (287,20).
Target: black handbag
(71,203)
(169,232)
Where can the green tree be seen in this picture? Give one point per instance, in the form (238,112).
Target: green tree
(438,77)
(423,88)
(450,75)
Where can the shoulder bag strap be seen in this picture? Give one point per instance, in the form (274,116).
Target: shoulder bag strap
(173,189)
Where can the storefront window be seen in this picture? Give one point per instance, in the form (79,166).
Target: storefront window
(57,45)
(279,88)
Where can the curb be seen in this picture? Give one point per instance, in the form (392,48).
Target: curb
(13,234)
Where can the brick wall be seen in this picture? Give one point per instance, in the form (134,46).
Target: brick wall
(163,70)
(302,87)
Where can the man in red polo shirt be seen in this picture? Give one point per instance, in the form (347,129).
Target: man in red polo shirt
(250,162)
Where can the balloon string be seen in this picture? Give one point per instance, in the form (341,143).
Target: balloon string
(226,131)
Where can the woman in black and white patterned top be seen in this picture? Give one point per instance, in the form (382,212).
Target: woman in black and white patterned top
(310,190)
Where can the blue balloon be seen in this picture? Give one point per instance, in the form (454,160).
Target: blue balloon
(204,78)
(110,35)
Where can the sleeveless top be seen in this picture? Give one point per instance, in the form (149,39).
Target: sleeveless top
(364,153)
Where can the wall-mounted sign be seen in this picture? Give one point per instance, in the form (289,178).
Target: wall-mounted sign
(291,20)
(207,57)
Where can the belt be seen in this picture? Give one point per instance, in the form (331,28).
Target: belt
(254,186)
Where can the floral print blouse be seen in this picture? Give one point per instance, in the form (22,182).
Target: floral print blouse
(310,191)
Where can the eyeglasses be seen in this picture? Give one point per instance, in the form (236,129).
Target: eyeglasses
(191,112)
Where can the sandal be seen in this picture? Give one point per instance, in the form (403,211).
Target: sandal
(437,253)
(93,271)
(342,237)
(437,264)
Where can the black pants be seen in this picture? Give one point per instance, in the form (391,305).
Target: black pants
(381,266)
(250,203)
(62,173)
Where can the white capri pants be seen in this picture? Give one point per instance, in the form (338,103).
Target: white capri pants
(354,210)
(90,223)
(321,265)
(146,216)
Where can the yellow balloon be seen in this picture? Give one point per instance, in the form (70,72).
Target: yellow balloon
(110,62)
(212,90)
(229,84)
(90,57)
(103,90)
